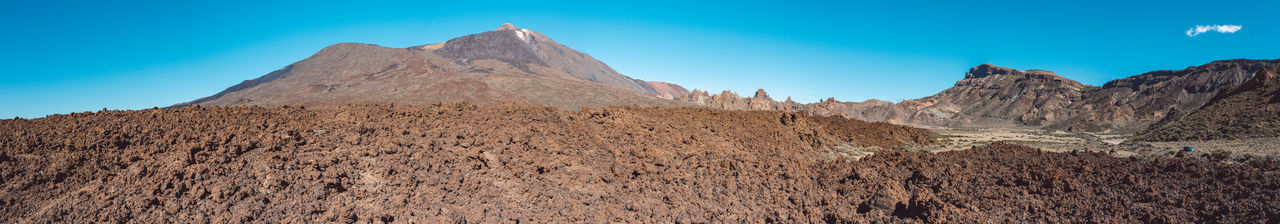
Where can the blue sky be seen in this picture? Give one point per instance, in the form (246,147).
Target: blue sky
(72,56)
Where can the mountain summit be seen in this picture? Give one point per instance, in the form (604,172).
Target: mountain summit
(508,64)
(507,26)
(531,52)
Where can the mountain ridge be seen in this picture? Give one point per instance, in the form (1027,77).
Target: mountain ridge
(994,96)
(1248,110)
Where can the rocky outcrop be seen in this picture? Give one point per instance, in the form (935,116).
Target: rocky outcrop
(728,100)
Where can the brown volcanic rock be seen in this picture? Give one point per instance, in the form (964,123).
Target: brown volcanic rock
(504,65)
(508,163)
(417,163)
(1249,110)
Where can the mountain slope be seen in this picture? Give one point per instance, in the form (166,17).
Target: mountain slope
(1131,104)
(504,65)
(990,95)
(534,53)
(1249,110)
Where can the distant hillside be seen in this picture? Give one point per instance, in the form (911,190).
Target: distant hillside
(1249,110)
(991,95)
(1133,103)
(504,65)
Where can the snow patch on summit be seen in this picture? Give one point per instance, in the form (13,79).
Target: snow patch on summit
(521,34)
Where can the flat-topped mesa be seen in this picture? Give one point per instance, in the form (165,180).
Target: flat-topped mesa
(988,70)
(984,70)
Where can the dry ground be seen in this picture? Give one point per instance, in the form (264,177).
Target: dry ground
(532,164)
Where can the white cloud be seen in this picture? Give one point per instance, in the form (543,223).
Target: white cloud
(1220,28)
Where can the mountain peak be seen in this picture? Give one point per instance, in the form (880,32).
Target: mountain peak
(523,48)
(507,26)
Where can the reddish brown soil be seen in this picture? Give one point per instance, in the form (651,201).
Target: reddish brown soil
(518,163)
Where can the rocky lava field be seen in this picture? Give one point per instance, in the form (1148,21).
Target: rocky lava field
(537,164)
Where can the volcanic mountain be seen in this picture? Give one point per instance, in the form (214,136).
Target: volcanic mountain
(1249,110)
(511,64)
(508,64)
